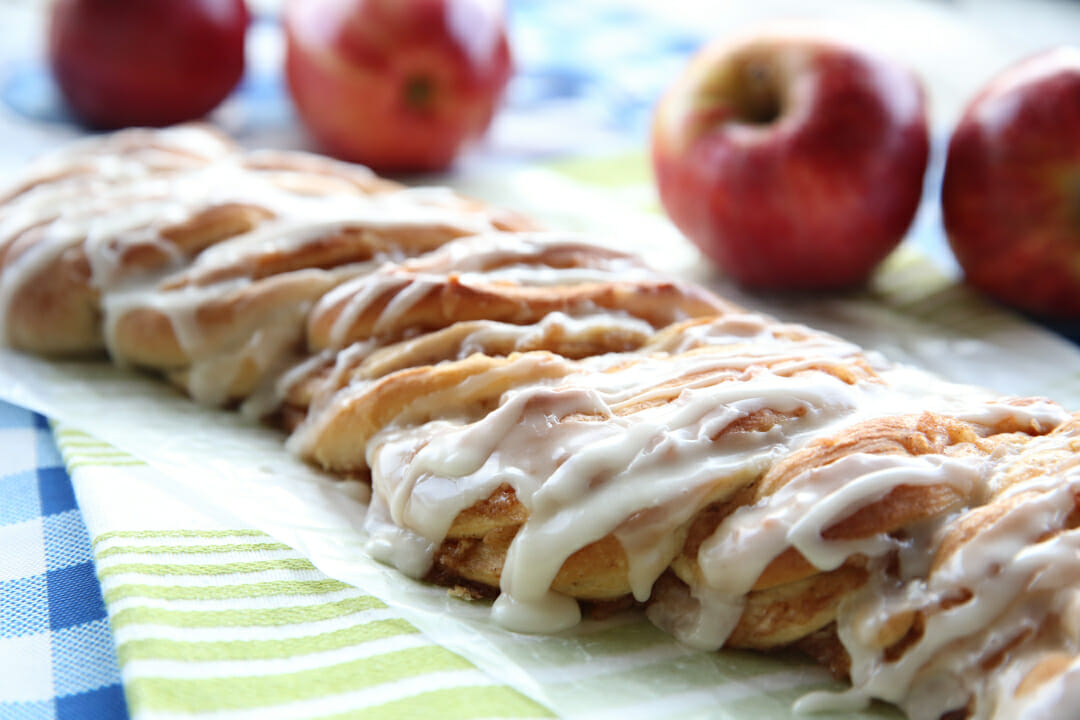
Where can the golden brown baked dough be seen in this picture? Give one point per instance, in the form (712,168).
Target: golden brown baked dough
(547,421)
(517,279)
(177,251)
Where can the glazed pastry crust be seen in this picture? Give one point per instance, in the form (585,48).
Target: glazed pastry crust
(171,249)
(544,420)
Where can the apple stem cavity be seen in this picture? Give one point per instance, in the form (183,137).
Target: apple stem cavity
(419,91)
(758,99)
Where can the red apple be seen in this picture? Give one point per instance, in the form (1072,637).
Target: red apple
(146,62)
(398,85)
(795,162)
(1011,193)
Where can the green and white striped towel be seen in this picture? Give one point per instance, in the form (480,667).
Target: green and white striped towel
(216,618)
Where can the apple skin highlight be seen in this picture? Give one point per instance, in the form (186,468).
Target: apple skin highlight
(794,162)
(1011,190)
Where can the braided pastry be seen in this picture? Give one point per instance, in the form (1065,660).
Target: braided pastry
(552,424)
(176,251)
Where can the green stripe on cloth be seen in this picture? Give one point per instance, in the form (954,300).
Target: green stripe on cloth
(276,649)
(85,442)
(246,692)
(74,462)
(82,450)
(460,703)
(245,617)
(70,435)
(225,592)
(234,568)
(190,549)
(167,534)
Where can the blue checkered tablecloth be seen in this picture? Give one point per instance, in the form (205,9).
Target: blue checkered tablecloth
(52,615)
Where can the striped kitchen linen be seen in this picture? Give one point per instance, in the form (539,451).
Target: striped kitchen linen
(213,620)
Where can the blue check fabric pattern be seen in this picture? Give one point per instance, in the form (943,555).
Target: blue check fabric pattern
(57,656)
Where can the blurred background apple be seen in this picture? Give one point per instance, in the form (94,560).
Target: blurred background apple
(1011,192)
(146,62)
(398,85)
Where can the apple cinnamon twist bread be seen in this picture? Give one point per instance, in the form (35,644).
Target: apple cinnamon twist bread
(176,251)
(553,424)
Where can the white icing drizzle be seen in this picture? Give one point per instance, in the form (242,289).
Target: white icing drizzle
(1005,581)
(481,260)
(111,197)
(274,389)
(337,389)
(744,544)
(1038,414)
(1057,698)
(485,252)
(393,544)
(582,470)
(267,350)
(521,337)
(323,406)
(758,334)
(1017,579)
